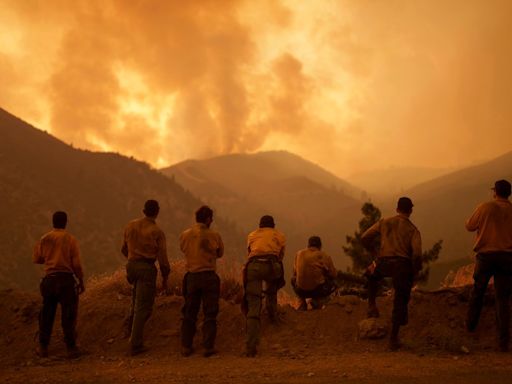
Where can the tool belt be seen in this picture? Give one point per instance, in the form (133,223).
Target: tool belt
(144,260)
(263,259)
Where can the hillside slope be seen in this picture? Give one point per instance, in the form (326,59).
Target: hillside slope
(100,191)
(442,205)
(382,183)
(304,199)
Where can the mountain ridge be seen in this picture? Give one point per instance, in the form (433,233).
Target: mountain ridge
(100,191)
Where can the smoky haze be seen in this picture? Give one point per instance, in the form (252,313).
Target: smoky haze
(351,85)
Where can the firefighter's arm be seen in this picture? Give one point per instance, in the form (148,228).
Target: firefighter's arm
(473,223)
(370,234)
(77,265)
(37,255)
(417,252)
(220,249)
(124,247)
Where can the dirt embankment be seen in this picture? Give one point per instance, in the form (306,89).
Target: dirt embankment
(318,344)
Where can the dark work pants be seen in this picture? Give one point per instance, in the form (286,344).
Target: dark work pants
(401,271)
(499,266)
(142,276)
(323,290)
(58,288)
(200,287)
(259,271)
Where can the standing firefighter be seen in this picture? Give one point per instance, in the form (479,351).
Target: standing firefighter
(265,252)
(202,247)
(58,251)
(399,258)
(313,275)
(144,244)
(493,222)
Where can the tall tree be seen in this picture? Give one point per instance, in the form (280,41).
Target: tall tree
(361,258)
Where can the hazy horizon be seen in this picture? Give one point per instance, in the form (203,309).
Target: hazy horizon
(353,86)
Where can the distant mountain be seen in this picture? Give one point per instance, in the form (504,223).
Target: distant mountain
(442,205)
(383,183)
(304,198)
(100,191)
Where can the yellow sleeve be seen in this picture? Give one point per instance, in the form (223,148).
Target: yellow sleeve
(220,249)
(473,223)
(37,255)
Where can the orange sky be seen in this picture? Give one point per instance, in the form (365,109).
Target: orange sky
(350,85)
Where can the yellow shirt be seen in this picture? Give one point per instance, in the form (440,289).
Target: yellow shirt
(492,222)
(202,247)
(144,240)
(312,266)
(398,237)
(266,241)
(58,251)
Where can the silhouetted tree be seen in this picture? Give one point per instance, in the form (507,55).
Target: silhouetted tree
(354,249)
(427,258)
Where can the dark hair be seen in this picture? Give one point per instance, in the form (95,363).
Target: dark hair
(267,221)
(151,208)
(502,188)
(315,241)
(203,214)
(60,219)
(404,205)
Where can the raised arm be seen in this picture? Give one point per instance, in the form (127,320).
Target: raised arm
(370,234)
(473,223)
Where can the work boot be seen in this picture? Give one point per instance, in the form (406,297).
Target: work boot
(275,318)
(73,353)
(210,352)
(316,304)
(470,326)
(187,351)
(127,327)
(42,351)
(372,312)
(394,344)
(250,352)
(303,305)
(394,341)
(134,351)
(321,302)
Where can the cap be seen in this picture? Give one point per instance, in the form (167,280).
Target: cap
(404,204)
(267,221)
(502,188)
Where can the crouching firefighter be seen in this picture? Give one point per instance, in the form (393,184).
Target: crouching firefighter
(313,275)
(265,248)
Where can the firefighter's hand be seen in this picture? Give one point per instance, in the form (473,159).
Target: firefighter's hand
(81,287)
(370,270)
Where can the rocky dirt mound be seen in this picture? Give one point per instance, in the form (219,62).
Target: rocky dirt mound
(436,324)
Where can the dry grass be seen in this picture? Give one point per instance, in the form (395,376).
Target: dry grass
(231,288)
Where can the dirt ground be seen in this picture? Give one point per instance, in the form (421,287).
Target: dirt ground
(306,347)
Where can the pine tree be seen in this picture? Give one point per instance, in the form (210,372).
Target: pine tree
(354,249)
(428,257)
